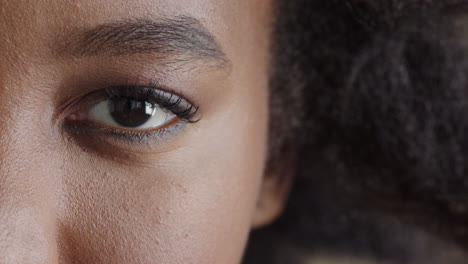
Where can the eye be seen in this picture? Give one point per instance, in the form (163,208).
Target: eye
(130,113)
(133,110)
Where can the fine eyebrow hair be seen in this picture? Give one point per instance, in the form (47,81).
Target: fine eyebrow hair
(180,38)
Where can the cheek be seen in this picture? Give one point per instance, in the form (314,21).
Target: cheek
(190,205)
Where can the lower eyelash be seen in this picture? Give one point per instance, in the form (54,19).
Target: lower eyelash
(145,137)
(86,129)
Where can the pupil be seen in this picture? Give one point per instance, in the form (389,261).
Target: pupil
(129,112)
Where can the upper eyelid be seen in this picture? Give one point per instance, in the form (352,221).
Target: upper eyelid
(157,93)
(180,106)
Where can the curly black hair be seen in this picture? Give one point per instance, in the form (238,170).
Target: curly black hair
(378,92)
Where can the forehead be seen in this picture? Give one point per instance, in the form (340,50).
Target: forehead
(85,12)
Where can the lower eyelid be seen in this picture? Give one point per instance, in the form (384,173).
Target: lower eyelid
(123,148)
(113,136)
(106,128)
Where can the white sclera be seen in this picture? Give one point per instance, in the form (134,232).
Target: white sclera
(101,113)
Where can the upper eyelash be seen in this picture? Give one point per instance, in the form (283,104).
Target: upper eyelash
(176,104)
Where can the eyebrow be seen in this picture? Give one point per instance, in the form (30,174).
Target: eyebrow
(179,38)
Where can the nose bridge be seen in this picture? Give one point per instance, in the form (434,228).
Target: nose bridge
(28,178)
(27,186)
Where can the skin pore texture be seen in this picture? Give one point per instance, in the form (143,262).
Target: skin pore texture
(189,193)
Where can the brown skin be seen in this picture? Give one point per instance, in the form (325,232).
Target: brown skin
(187,197)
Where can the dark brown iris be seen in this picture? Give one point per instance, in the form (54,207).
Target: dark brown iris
(129,112)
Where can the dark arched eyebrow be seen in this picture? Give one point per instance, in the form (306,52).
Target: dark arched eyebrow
(181,38)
